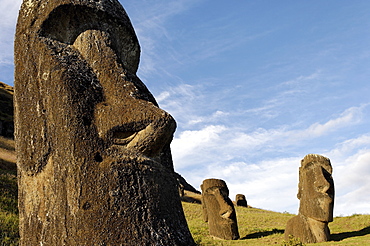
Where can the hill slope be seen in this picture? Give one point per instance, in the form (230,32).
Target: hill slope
(8,193)
(261,227)
(6,112)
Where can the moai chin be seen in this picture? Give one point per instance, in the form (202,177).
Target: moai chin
(219,210)
(240,200)
(316,195)
(94,159)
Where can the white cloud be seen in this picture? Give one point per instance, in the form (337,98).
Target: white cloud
(209,118)
(232,141)
(282,137)
(163,96)
(348,117)
(273,184)
(192,142)
(350,146)
(239,157)
(351,177)
(183,102)
(267,184)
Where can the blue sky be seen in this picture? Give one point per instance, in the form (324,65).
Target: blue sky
(255,86)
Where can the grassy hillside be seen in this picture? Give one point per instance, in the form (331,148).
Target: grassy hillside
(6,110)
(261,227)
(8,194)
(256,226)
(6,102)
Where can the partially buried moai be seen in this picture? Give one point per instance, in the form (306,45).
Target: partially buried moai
(94,159)
(316,195)
(218,210)
(240,200)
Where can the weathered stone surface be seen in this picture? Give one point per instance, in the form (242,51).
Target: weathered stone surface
(316,194)
(240,200)
(219,210)
(6,110)
(94,160)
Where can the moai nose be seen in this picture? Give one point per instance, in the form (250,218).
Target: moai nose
(323,181)
(225,209)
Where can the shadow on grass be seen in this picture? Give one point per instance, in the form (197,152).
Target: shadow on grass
(263,234)
(8,167)
(344,235)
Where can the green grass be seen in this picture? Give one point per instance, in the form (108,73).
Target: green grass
(256,226)
(8,195)
(7,144)
(6,102)
(9,229)
(261,227)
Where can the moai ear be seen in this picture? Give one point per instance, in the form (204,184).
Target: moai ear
(32,134)
(34,149)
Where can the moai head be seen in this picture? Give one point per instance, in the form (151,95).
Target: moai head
(80,75)
(219,209)
(316,188)
(240,200)
(93,146)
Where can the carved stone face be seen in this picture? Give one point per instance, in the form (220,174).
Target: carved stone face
(95,165)
(126,119)
(316,188)
(90,52)
(220,209)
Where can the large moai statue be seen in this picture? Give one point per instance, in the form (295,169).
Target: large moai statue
(316,195)
(218,210)
(94,159)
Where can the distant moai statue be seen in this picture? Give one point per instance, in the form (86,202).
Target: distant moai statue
(219,210)
(240,200)
(94,159)
(316,195)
